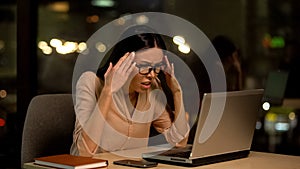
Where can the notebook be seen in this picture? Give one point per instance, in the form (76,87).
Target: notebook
(70,162)
(225,129)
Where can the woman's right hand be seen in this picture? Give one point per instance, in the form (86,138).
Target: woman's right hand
(117,75)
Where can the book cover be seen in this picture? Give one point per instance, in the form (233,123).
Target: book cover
(68,161)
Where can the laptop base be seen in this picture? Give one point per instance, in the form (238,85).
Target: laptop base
(205,160)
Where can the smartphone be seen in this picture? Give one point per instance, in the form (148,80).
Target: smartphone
(136,163)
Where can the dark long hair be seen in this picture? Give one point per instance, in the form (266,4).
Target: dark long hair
(133,39)
(224,46)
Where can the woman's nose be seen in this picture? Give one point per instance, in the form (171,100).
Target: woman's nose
(152,74)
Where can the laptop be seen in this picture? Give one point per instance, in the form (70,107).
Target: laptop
(225,128)
(275,87)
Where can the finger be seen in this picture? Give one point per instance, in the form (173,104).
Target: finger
(121,60)
(168,68)
(167,61)
(108,69)
(131,63)
(131,68)
(127,63)
(172,68)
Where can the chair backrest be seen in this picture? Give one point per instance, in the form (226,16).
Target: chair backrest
(48,126)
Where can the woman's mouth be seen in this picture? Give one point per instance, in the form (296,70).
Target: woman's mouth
(146,85)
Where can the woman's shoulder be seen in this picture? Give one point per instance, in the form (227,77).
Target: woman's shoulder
(88,74)
(87,78)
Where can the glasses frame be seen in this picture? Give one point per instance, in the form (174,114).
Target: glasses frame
(150,67)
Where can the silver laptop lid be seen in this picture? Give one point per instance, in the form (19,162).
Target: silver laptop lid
(229,127)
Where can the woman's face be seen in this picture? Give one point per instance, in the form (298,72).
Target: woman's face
(147,59)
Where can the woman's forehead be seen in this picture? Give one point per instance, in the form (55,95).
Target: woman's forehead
(149,55)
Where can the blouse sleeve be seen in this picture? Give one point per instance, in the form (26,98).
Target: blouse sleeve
(164,125)
(172,133)
(88,117)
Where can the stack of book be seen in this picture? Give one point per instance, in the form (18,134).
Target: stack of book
(68,161)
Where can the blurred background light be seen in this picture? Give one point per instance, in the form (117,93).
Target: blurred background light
(2,122)
(271,117)
(266,106)
(178,40)
(2,44)
(47,50)
(71,46)
(3,94)
(92,19)
(273,41)
(61,47)
(42,45)
(142,19)
(121,21)
(280,126)
(258,125)
(55,42)
(101,47)
(81,47)
(62,6)
(103,3)
(184,48)
(292,116)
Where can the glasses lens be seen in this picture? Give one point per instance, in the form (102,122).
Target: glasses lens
(145,70)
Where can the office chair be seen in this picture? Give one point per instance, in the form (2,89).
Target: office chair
(48,126)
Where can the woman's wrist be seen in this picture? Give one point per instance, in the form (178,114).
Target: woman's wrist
(176,91)
(106,91)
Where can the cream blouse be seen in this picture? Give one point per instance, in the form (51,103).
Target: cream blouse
(124,127)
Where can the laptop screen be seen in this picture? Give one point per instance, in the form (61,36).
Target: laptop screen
(275,87)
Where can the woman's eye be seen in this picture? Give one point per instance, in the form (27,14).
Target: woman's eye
(145,68)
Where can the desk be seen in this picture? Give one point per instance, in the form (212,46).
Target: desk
(256,160)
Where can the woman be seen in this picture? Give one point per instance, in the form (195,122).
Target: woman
(117,106)
(229,56)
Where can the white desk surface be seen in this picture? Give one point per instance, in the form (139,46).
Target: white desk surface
(256,160)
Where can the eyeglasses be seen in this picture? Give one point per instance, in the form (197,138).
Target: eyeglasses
(146,68)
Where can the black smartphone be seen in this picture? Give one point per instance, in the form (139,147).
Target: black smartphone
(136,163)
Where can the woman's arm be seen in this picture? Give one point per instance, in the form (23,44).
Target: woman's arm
(91,129)
(85,108)
(176,132)
(180,127)
(180,116)
(92,111)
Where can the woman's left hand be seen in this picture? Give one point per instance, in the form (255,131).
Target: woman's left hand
(170,76)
